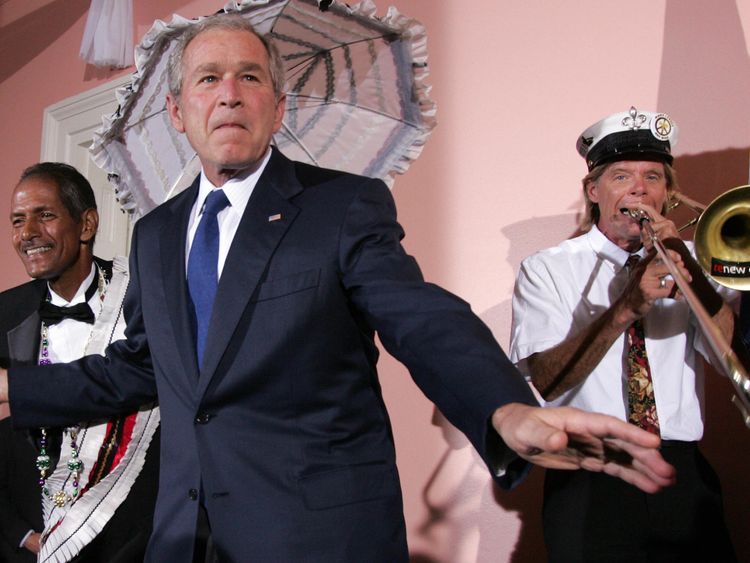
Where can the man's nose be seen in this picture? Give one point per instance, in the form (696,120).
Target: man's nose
(29,230)
(230,93)
(639,186)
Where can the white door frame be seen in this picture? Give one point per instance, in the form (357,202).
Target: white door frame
(67,132)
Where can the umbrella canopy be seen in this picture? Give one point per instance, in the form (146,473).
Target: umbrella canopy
(356,98)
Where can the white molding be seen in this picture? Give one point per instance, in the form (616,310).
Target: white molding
(68,127)
(76,114)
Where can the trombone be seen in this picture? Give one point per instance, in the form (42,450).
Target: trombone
(722,248)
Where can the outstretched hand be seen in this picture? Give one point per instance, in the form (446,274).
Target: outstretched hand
(568,438)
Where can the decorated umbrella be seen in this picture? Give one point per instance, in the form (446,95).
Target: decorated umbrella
(356,98)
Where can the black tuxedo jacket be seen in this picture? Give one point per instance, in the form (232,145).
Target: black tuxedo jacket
(20,497)
(282,433)
(20,502)
(124,538)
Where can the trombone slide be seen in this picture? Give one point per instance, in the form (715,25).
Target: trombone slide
(722,350)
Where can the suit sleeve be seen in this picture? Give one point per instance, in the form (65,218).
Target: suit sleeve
(95,386)
(450,353)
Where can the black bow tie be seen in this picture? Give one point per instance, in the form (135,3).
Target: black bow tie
(52,314)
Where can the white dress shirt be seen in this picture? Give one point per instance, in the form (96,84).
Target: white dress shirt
(238,191)
(561,290)
(68,338)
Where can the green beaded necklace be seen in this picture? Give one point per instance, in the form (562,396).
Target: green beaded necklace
(75,465)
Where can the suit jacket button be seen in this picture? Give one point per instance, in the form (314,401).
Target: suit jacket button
(193,494)
(202,418)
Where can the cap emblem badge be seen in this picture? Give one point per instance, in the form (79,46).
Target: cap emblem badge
(634,120)
(661,126)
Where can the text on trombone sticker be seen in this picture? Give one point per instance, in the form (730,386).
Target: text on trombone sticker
(730,269)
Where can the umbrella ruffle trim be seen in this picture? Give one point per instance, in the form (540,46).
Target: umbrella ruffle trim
(162,33)
(427,107)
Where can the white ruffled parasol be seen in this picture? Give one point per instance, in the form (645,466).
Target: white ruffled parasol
(356,98)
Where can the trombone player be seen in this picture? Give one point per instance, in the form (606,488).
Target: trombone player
(598,323)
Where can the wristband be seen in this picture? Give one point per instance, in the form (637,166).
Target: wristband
(738,345)
(708,296)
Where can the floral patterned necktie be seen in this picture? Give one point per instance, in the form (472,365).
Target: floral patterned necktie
(641,401)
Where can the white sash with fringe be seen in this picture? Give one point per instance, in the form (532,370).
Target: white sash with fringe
(70,528)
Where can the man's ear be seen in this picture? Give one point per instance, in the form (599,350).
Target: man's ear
(279,112)
(89,225)
(175,114)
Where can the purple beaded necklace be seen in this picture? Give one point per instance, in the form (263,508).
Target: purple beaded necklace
(75,465)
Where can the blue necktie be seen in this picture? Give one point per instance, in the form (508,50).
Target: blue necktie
(202,275)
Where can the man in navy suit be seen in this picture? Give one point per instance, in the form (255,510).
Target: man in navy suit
(275,435)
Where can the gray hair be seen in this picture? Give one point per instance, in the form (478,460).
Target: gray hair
(75,191)
(227,21)
(591,214)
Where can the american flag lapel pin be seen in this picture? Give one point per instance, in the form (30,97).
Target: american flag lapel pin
(276,217)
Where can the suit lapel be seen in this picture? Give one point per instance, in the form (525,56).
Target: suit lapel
(268,216)
(172,252)
(24,339)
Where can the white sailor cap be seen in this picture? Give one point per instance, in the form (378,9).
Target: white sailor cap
(630,135)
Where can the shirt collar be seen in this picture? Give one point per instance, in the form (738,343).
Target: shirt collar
(608,250)
(237,190)
(79,297)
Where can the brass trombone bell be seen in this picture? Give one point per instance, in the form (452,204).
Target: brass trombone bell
(722,238)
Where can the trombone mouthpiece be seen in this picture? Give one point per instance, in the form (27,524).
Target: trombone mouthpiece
(637,214)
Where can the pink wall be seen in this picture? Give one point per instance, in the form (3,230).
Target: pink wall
(515,83)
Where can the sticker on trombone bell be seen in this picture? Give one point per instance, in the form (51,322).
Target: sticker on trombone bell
(729,269)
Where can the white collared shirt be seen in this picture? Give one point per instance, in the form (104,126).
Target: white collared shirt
(69,337)
(561,290)
(238,191)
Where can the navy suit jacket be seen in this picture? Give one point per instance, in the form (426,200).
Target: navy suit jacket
(282,433)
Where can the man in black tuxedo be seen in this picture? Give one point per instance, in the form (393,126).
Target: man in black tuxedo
(254,301)
(72,304)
